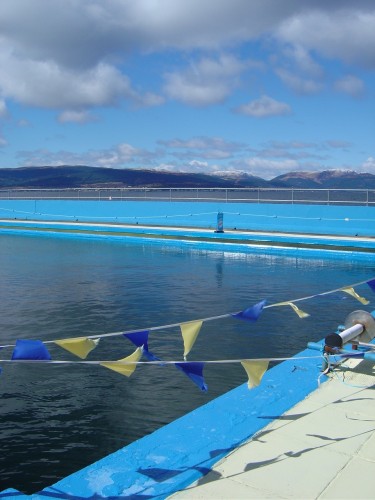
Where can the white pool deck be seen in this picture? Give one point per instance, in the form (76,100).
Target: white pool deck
(324,447)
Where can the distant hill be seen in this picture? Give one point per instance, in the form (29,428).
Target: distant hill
(327,179)
(80,176)
(84,176)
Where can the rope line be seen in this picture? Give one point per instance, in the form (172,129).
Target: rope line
(166,216)
(212,318)
(161,362)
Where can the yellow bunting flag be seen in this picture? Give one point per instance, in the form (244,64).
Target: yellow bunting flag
(189,333)
(255,371)
(298,311)
(125,366)
(349,290)
(79,346)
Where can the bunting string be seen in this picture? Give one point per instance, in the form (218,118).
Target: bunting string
(35,351)
(252,315)
(255,368)
(125,361)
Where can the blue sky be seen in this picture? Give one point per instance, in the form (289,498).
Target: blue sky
(257,86)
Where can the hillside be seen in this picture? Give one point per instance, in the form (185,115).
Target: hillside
(84,176)
(327,179)
(68,177)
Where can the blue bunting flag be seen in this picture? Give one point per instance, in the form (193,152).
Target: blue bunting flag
(251,313)
(194,370)
(30,349)
(140,339)
(371,284)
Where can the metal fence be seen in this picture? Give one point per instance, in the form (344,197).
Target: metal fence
(228,195)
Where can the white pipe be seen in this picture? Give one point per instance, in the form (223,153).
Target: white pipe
(337,340)
(351,333)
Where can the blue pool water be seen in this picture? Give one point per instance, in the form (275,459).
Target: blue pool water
(57,419)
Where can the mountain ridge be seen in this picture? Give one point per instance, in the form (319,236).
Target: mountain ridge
(83,176)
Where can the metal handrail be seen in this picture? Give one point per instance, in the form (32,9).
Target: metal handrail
(228,195)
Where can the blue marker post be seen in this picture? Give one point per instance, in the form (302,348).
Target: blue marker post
(220,223)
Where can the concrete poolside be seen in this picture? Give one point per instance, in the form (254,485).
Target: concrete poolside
(257,241)
(323,447)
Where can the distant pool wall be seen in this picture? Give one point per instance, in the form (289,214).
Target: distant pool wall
(343,220)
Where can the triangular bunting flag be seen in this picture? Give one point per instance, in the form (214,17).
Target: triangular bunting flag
(189,333)
(80,346)
(298,311)
(353,293)
(255,371)
(371,284)
(140,339)
(125,366)
(252,313)
(30,349)
(194,371)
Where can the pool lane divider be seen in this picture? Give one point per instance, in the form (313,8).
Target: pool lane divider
(183,451)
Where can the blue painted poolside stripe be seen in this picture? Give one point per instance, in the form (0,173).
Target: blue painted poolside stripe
(191,232)
(357,249)
(183,451)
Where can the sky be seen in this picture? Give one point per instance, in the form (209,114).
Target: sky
(262,87)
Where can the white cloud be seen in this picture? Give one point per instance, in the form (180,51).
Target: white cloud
(298,83)
(264,107)
(48,85)
(3,109)
(207,148)
(344,33)
(23,123)
(198,163)
(302,61)
(351,85)
(368,165)
(337,144)
(80,33)
(203,143)
(76,117)
(207,82)
(71,54)
(267,169)
(121,156)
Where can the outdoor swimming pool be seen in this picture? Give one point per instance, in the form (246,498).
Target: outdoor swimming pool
(57,419)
